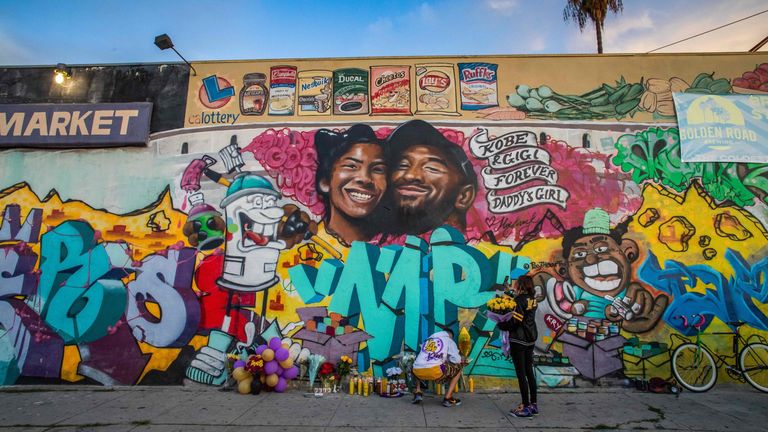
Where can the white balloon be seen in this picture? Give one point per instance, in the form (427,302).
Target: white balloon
(294,352)
(303,355)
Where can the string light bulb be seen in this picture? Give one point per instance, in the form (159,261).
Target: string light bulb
(61,74)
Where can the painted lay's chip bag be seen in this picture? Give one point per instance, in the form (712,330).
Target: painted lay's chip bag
(435,89)
(390,90)
(478,85)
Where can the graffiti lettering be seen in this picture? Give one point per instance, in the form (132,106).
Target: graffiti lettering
(729,299)
(399,308)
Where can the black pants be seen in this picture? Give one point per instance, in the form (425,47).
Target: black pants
(522,357)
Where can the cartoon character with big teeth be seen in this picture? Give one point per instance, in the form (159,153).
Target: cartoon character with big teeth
(253,246)
(598,285)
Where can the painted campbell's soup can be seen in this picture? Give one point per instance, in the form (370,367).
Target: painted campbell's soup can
(282,90)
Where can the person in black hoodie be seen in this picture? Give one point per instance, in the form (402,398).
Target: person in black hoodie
(522,337)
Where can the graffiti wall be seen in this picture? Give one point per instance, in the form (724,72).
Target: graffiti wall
(355,207)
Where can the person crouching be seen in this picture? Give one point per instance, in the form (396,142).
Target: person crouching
(440,361)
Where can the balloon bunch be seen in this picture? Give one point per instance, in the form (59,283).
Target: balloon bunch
(272,363)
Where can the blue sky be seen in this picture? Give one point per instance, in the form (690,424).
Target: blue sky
(38,32)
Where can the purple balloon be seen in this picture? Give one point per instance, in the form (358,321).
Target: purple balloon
(281,386)
(281,354)
(239,363)
(279,371)
(270,367)
(275,343)
(260,349)
(291,373)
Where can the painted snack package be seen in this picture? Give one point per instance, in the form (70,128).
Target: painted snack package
(350,91)
(282,90)
(478,85)
(390,90)
(314,92)
(435,89)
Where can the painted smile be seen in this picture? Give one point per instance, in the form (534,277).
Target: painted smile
(358,195)
(603,276)
(411,190)
(256,234)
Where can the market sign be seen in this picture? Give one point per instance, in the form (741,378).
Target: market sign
(722,128)
(75,125)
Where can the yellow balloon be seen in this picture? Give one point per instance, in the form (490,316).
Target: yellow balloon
(262,378)
(240,374)
(286,345)
(268,355)
(287,363)
(244,386)
(272,380)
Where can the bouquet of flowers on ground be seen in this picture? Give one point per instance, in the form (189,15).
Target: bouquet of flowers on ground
(327,374)
(343,366)
(502,310)
(406,364)
(395,384)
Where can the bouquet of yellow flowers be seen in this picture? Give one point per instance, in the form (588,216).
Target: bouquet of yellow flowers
(503,310)
(343,366)
(501,305)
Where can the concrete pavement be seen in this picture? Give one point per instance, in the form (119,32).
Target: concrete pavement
(168,409)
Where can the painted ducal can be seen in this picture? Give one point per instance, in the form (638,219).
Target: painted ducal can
(350,91)
(282,90)
(477,82)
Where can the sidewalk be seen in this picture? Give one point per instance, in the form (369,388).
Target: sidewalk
(167,409)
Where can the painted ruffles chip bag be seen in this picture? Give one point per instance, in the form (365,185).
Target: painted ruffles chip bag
(435,89)
(350,91)
(478,85)
(391,90)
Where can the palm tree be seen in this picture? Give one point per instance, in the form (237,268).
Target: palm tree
(582,11)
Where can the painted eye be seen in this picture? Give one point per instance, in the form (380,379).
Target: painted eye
(269,201)
(580,254)
(601,249)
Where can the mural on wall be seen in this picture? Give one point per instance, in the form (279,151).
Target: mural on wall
(362,238)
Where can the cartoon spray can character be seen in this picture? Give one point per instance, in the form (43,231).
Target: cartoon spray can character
(253,247)
(204,227)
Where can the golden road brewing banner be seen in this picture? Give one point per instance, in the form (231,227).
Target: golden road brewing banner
(723,128)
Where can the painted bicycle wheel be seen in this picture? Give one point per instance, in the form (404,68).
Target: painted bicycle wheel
(694,367)
(753,361)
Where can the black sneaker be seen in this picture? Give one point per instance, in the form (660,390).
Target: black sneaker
(451,402)
(417,398)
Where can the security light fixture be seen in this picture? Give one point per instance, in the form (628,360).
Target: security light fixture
(61,74)
(164,42)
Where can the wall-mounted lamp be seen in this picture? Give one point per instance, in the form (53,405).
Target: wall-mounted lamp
(61,74)
(164,42)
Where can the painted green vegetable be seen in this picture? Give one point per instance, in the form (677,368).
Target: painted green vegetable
(604,102)
(515,100)
(545,92)
(552,106)
(533,104)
